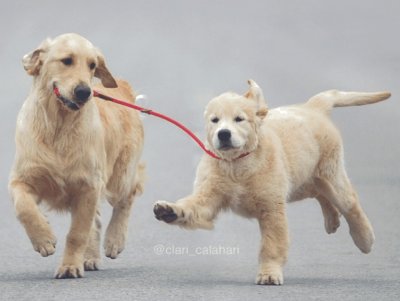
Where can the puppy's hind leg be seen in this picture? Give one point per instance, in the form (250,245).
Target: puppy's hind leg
(342,195)
(331,215)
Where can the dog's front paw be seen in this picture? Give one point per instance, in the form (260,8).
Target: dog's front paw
(270,278)
(69,271)
(45,244)
(163,211)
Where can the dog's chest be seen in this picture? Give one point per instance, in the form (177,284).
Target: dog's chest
(58,174)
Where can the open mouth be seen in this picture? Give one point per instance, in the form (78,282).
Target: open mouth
(65,101)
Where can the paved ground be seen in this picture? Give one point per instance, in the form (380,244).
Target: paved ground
(181,53)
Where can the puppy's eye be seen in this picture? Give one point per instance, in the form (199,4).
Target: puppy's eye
(67,61)
(215,120)
(239,119)
(92,66)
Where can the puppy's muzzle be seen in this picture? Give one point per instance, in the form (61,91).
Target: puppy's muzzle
(224,137)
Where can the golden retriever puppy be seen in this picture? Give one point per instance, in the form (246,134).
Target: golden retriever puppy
(74,149)
(290,154)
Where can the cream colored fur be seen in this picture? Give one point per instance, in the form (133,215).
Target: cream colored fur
(295,153)
(70,159)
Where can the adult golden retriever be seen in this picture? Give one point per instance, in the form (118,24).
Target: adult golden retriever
(293,153)
(74,149)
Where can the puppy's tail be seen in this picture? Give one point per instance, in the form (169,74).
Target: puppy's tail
(327,100)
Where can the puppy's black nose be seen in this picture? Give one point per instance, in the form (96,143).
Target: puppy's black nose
(82,93)
(224,135)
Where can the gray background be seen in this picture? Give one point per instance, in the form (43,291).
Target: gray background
(181,54)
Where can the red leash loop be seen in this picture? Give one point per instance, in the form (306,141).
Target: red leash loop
(159,115)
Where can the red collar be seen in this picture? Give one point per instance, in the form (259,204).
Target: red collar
(242,156)
(235,159)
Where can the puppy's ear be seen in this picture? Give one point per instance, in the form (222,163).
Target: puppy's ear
(262,112)
(255,93)
(33,61)
(103,74)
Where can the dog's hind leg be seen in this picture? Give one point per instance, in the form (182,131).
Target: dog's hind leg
(92,253)
(114,242)
(331,215)
(125,184)
(35,224)
(342,195)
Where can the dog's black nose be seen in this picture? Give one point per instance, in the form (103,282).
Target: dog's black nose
(82,92)
(224,135)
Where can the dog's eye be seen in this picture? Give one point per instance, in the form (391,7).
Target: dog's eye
(239,119)
(92,66)
(67,61)
(215,120)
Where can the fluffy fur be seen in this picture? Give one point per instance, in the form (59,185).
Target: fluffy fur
(294,153)
(73,150)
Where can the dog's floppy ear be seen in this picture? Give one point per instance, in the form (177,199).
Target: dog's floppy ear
(255,93)
(103,74)
(33,61)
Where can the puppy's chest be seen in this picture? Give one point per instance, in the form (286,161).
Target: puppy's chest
(242,199)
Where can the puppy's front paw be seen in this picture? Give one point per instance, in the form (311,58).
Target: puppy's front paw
(69,271)
(270,278)
(163,211)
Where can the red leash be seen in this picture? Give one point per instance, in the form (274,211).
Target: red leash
(159,115)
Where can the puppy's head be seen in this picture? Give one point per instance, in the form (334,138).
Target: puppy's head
(233,121)
(69,62)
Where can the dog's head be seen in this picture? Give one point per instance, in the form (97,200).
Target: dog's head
(233,122)
(68,62)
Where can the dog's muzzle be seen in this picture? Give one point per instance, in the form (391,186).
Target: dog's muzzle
(81,92)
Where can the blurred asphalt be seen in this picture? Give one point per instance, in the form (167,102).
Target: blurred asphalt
(181,54)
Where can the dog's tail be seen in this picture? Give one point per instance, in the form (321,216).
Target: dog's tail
(140,178)
(327,100)
(127,90)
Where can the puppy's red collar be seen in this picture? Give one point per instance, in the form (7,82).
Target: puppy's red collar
(242,156)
